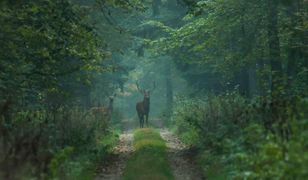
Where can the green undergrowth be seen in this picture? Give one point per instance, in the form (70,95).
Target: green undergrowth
(64,144)
(232,142)
(80,162)
(149,160)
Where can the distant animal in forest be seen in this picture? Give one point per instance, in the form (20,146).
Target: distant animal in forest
(103,112)
(143,107)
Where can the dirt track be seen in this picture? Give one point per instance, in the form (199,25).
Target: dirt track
(179,156)
(113,170)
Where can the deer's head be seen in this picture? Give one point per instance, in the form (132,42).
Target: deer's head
(146,92)
(111,98)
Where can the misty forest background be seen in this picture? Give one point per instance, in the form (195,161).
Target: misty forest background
(231,81)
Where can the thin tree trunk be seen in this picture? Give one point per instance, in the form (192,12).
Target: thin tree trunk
(274,47)
(169,88)
(155,7)
(252,81)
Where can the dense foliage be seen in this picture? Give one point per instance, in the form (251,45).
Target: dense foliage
(233,142)
(258,45)
(246,66)
(50,57)
(231,77)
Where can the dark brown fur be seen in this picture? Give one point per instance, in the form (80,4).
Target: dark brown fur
(143,109)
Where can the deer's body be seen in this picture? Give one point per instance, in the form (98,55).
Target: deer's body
(143,107)
(102,111)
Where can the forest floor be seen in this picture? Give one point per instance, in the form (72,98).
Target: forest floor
(180,158)
(114,167)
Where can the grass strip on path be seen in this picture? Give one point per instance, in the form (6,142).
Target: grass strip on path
(149,161)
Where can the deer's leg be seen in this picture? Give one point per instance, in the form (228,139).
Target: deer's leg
(140,120)
(146,119)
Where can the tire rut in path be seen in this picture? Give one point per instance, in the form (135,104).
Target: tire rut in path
(116,164)
(180,158)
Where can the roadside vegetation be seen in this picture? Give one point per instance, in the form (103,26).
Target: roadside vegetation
(52,67)
(232,141)
(230,77)
(149,160)
(67,146)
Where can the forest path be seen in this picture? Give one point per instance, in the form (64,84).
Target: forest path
(114,168)
(180,158)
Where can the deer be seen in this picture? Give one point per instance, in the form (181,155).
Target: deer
(143,107)
(103,111)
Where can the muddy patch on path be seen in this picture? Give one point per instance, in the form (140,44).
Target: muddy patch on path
(181,158)
(117,161)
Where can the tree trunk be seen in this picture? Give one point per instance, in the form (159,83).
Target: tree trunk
(295,52)
(169,88)
(274,47)
(155,7)
(243,81)
(252,81)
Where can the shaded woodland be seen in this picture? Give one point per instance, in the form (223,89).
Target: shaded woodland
(228,77)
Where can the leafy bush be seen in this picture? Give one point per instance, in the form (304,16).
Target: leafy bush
(59,160)
(213,117)
(234,140)
(64,143)
(277,158)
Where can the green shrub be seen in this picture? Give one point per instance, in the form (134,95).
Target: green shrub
(234,140)
(66,143)
(58,160)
